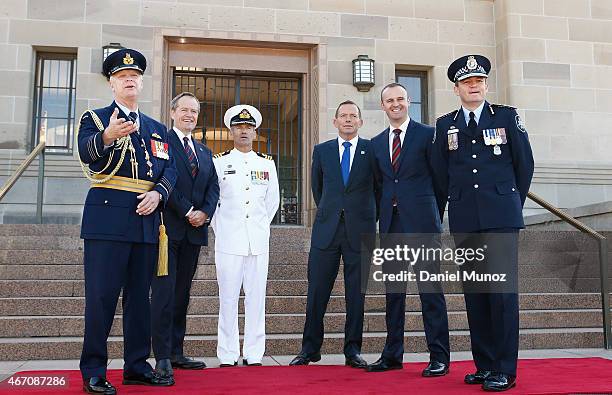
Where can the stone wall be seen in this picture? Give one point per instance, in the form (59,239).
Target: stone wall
(551,58)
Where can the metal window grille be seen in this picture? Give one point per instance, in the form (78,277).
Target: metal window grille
(280,134)
(54,100)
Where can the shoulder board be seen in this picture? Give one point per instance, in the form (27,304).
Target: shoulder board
(265,156)
(452,113)
(503,106)
(220,154)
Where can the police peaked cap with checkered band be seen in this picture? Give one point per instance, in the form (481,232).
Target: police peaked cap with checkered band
(469,66)
(124,59)
(242,113)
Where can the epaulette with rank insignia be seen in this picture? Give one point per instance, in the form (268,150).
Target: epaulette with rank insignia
(265,156)
(220,154)
(452,113)
(503,106)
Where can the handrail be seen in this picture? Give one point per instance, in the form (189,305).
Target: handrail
(603,261)
(565,217)
(38,150)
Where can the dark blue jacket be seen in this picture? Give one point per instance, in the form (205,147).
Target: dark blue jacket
(484,190)
(412,185)
(357,200)
(201,193)
(110,214)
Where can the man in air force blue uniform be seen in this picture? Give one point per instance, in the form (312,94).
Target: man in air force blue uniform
(409,206)
(484,164)
(344,188)
(125,155)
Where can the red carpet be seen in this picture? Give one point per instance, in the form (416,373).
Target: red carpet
(536,376)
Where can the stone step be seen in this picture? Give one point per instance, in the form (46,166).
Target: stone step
(34,326)
(283,238)
(16,349)
(579,262)
(278,271)
(203,305)
(36,288)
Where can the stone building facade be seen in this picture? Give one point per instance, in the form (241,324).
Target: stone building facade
(551,58)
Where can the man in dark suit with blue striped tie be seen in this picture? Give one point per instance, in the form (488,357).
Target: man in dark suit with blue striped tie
(410,206)
(344,188)
(187,215)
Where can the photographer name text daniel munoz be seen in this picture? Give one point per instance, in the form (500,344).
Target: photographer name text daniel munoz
(425,276)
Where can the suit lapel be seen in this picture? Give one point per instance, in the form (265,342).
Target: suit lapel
(485,117)
(357,160)
(180,150)
(335,158)
(408,137)
(387,153)
(199,151)
(461,123)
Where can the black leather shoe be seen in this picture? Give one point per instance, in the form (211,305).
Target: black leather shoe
(382,365)
(184,362)
(356,361)
(477,378)
(499,382)
(435,369)
(303,359)
(149,378)
(228,365)
(98,385)
(246,363)
(163,368)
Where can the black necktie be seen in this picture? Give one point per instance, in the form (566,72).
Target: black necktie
(191,156)
(472,124)
(134,117)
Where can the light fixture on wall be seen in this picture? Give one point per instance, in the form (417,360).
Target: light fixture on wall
(109,49)
(363,73)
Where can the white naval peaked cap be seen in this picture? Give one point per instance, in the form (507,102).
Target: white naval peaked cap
(242,113)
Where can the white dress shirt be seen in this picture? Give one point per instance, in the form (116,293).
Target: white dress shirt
(477,112)
(403,128)
(353,148)
(127,111)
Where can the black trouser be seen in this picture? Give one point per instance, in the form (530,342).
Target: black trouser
(323,265)
(170,299)
(493,315)
(433,307)
(111,267)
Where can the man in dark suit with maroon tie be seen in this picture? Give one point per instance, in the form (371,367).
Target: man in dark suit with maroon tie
(187,215)
(410,207)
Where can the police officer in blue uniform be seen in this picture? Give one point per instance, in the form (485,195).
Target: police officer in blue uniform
(124,153)
(483,161)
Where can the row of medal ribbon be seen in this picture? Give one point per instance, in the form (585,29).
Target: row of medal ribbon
(493,137)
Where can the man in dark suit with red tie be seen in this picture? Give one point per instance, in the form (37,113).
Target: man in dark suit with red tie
(344,187)
(187,215)
(409,206)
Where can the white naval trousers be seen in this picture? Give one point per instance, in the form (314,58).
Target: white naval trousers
(251,272)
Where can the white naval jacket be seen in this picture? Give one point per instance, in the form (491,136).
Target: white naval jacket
(248,201)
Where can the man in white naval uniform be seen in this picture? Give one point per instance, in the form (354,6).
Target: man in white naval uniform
(249,198)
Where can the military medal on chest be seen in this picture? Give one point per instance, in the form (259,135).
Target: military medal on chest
(260,177)
(453,139)
(147,158)
(495,137)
